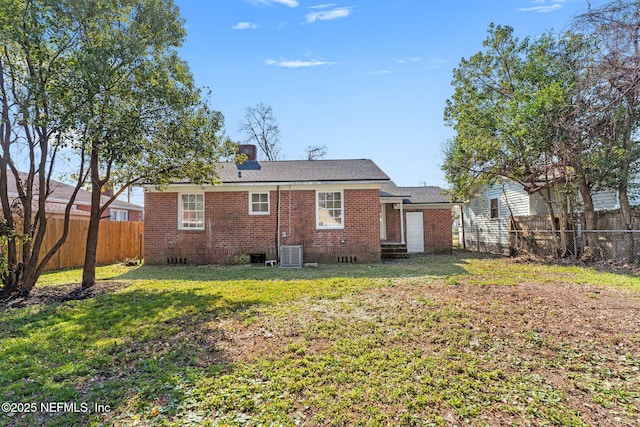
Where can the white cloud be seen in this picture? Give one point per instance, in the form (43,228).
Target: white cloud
(285,63)
(323,6)
(431,62)
(545,6)
(411,60)
(245,26)
(327,15)
(290,3)
(381,72)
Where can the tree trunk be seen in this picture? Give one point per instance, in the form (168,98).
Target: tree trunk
(10,276)
(546,198)
(626,212)
(89,269)
(590,220)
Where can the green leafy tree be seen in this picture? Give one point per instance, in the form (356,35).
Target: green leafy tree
(101,79)
(513,112)
(36,41)
(142,118)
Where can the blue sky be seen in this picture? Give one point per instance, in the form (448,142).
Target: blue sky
(366,78)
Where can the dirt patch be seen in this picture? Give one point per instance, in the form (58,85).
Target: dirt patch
(579,342)
(610,266)
(561,311)
(46,295)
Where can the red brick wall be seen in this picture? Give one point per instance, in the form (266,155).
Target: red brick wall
(231,234)
(393,223)
(135,215)
(437,230)
(436,225)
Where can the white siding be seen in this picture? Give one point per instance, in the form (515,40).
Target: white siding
(537,205)
(484,233)
(605,200)
(481,232)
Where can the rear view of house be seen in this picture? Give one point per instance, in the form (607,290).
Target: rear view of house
(316,211)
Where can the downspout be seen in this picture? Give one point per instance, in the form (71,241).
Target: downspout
(278,222)
(402,223)
(464,242)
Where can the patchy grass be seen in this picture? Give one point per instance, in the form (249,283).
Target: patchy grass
(437,340)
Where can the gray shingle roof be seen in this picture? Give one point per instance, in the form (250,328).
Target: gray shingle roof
(414,195)
(390,189)
(301,171)
(425,194)
(61,193)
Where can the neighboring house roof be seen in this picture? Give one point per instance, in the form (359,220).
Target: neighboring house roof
(61,193)
(300,171)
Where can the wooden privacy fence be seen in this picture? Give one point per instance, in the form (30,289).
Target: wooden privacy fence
(117,240)
(610,241)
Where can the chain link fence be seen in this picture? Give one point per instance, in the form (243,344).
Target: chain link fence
(589,245)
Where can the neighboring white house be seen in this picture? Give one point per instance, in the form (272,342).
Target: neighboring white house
(486,215)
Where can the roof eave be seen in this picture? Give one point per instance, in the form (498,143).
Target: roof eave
(271,183)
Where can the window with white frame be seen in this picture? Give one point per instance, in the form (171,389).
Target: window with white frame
(191,212)
(329,209)
(259,203)
(119,215)
(493,206)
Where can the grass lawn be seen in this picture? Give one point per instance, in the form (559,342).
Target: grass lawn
(433,341)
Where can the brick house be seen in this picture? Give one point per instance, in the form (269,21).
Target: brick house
(419,217)
(119,210)
(328,210)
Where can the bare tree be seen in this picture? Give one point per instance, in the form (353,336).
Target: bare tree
(315,152)
(616,77)
(261,127)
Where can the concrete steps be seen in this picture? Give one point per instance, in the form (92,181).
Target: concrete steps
(394,251)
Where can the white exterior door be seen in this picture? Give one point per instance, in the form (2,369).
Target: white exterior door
(415,233)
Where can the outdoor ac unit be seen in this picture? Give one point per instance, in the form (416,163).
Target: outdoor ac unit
(291,256)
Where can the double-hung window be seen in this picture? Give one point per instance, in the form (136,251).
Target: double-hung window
(191,212)
(329,209)
(259,203)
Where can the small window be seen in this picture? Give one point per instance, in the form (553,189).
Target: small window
(191,215)
(329,209)
(495,213)
(259,203)
(119,215)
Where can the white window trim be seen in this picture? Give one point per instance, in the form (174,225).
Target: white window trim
(180,223)
(251,212)
(329,227)
(116,213)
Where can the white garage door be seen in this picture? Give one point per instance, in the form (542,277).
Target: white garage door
(415,232)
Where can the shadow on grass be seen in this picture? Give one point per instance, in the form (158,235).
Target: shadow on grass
(126,350)
(415,266)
